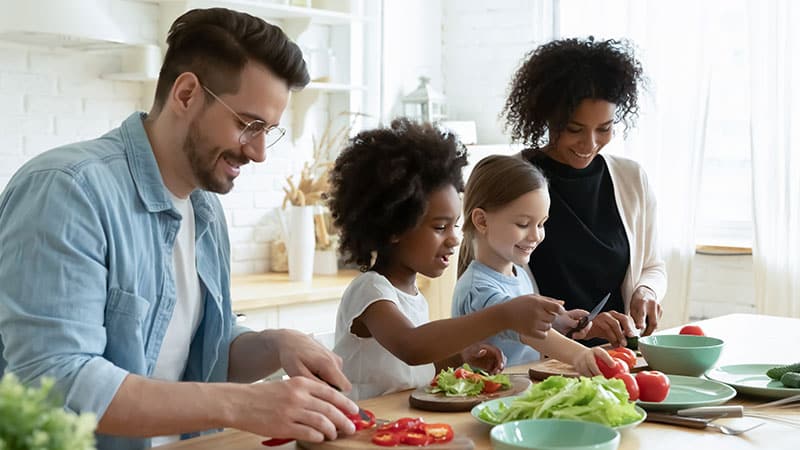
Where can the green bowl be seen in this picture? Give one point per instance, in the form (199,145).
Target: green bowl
(681,354)
(554,434)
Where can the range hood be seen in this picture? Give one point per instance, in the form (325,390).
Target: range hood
(78,24)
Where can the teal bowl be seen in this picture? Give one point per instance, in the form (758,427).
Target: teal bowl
(681,354)
(554,434)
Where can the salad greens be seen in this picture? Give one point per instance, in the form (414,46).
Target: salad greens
(595,399)
(466,381)
(30,418)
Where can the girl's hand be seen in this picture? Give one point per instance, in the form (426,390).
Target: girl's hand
(569,320)
(585,364)
(485,356)
(532,315)
(645,309)
(612,326)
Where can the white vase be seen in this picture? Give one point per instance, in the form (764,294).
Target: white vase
(301,243)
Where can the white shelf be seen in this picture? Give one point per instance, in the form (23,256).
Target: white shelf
(279,11)
(333,87)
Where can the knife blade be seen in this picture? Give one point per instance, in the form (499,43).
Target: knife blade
(584,321)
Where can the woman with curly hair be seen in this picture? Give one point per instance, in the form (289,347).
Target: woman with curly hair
(395,199)
(563,104)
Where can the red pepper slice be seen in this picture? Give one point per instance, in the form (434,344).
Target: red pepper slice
(403,424)
(361,423)
(386,438)
(439,432)
(418,438)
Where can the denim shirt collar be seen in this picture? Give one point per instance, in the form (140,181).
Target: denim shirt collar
(147,176)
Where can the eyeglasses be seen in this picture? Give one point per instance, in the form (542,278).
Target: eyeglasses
(253,128)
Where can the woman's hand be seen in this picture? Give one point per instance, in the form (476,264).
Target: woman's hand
(485,356)
(612,326)
(645,310)
(585,362)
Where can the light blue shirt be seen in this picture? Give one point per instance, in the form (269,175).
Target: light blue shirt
(480,287)
(86,281)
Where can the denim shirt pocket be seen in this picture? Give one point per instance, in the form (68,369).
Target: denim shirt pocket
(125,318)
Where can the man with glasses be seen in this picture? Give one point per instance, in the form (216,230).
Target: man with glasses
(114,272)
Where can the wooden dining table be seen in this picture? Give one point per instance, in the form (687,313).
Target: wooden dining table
(749,339)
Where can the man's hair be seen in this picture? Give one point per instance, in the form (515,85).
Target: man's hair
(381,182)
(216,43)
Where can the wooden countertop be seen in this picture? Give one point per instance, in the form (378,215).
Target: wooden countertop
(251,292)
(748,338)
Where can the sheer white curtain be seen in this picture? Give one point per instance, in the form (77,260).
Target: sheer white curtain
(775,130)
(669,138)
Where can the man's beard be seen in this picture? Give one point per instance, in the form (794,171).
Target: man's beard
(204,163)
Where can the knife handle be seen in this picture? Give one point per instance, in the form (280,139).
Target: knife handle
(714,411)
(691,422)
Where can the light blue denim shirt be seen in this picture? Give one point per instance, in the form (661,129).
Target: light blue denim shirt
(86,281)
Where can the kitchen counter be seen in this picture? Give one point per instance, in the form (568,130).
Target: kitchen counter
(748,338)
(253,292)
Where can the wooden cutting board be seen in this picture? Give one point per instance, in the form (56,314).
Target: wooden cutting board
(421,399)
(363,439)
(548,367)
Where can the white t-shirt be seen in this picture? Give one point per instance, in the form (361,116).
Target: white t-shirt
(371,368)
(188,311)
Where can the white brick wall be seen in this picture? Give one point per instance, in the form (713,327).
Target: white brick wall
(482,45)
(50,98)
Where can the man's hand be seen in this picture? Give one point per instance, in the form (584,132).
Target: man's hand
(301,355)
(645,310)
(485,356)
(298,408)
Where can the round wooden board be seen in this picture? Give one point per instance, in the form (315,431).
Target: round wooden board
(421,399)
(363,439)
(548,367)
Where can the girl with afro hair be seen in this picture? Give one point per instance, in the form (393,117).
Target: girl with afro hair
(564,103)
(395,199)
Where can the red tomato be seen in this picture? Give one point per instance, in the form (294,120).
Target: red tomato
(609,372)
(435,381)
(625,354)
(490,386)
(360,422)
(630,384)
(461,372)
(403,424)
(413,437)
(692,329)
(439,432)
(653,386)
(386,438)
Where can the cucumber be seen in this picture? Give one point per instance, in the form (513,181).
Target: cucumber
(633,343)
(777,372)
(791,379)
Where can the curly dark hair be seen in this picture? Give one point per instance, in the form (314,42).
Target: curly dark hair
(555,77)
(381,181)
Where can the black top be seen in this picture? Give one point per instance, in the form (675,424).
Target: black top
(585,253)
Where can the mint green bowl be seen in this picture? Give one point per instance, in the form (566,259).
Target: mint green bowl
(681,354)
(553,434)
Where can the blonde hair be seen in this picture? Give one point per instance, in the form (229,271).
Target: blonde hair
(496,181)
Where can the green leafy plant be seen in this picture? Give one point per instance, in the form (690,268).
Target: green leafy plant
(31,418)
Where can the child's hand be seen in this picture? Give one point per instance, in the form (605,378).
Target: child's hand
(485,356)
(569,320)
(585,363)
(533,315)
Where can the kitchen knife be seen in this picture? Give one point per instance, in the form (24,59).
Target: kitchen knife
(584,321)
